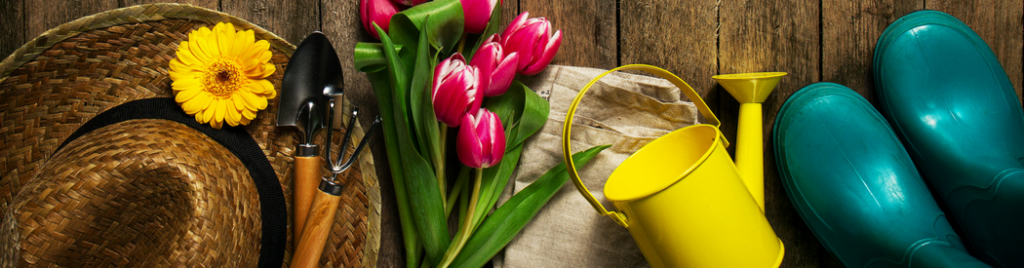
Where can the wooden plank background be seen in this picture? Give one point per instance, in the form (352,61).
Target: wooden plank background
(812,40)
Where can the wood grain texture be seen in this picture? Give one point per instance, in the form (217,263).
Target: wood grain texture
(41,15)
(314,232)
(509,11)
(292,20)
(588,30)
(211,4)
(999,23)
(767,35)
(12,34)
(675,37)
(307,177)
(830,40)
(851,30)
(343,26)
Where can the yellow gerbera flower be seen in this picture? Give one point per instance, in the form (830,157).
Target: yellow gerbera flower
(219,75)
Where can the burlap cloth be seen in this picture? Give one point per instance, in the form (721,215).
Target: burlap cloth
(624,110)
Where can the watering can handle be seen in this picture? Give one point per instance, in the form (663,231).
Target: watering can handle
(567,128)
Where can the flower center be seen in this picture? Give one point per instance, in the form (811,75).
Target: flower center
(223,78)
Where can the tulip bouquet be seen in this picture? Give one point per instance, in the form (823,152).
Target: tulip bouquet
(427,80)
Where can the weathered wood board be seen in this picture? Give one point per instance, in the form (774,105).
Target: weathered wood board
(812,40)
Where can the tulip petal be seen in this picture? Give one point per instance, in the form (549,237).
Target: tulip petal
(498,141)
(485,61)
(478,93)
(468,145)
(376,11)
(496,38)
(514,26)
(544,59)
(502,76)
(523,42)
(477,13)
(442,103)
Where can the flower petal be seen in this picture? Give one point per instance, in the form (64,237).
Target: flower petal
(220,111)
(247,115)
(216,124)
(225,33)
(195,106)
(185,55)
(544,59)
(234,116)
(253,51)
(186,85)
(185,95)
(467,144)
(268,88)
(514,26)
(477,13)
(254,87)
(255,101)
(208,112)
(239,104)
(502,76)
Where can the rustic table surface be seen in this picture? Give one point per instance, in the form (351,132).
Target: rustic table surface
(812,40)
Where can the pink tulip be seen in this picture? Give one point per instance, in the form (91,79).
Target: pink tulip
(533,40)
(481,140)
(456,90)
(376,11)
(477,13)
(496,68)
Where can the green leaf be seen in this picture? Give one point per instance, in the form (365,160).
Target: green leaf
(424,194)
(494,181)
(492,27)
(379,81)
(529,111)
(403,33)
(421,76)
(399,77)
(503,225)
(533,114)
(369,57)
(446,22)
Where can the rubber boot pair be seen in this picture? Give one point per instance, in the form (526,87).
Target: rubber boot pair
(857,186)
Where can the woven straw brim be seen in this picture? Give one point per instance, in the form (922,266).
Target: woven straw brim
(110,189)
(69,74)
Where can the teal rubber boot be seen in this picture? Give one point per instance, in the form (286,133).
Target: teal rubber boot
(945,93)
(854,185)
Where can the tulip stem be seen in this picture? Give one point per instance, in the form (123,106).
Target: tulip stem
(462,43)
(439,165)
(467,226)
(460,182)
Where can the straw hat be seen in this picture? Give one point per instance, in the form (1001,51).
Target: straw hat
(101,168)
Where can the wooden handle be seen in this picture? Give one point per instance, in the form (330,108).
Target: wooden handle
(307,177)
(314,234)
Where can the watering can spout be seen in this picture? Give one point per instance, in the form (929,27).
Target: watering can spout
(750,89)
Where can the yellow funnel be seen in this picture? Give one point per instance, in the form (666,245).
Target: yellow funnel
(750,89)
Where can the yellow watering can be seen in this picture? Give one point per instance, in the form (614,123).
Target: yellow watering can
(681,197)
